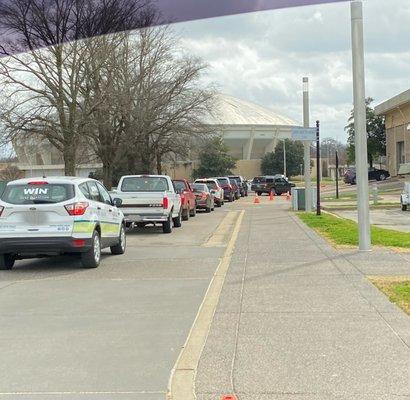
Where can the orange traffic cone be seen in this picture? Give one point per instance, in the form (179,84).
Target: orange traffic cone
(256,201)
(271,196)
(229,397)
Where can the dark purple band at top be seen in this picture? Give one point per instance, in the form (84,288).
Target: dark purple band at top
(185,10)
(32,24)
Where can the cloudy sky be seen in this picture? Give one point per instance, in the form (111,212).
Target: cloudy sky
(263,56)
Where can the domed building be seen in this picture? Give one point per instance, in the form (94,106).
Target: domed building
(249,131)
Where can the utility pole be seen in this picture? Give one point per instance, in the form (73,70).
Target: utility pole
(318,169)
(337,175)
(359,95)
(306,144)
(284,157)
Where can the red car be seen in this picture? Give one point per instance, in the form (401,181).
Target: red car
(204,198)
(188,199)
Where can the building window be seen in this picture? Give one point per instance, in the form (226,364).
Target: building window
(400,154)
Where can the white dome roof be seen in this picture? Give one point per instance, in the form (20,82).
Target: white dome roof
(230,110)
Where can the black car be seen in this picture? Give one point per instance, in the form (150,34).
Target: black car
(243,186)
(374,174)
(277,184)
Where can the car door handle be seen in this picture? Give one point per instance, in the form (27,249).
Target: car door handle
(110,210)
(98,208)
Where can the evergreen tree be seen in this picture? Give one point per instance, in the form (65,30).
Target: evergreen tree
(272,163)
(376,135)
(214,160)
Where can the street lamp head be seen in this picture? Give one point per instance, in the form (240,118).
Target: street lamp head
(305,84)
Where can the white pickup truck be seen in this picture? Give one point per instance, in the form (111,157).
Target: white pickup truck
(149,199)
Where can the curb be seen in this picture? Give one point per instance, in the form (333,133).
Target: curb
(181,385)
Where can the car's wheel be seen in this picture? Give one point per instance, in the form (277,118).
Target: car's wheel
(354,181)
(259,193)
(278,192)
(167,226)
(185,215)
(208,208)
(404,207)
(219,203)
(382,177)
(231,198)
(192,213)
(92,258)
(6,262)
(120,247)
(213,206)
(178,220)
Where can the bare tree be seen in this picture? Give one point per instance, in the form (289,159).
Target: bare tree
(167,105)
(45,84)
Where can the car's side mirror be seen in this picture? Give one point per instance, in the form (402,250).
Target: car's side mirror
(117,202)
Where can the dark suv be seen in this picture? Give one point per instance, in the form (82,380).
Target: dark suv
(242,183)
(277,184)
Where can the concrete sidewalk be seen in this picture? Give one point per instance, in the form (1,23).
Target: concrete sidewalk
(299,320)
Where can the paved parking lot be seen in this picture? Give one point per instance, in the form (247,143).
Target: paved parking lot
(109,333)
(389,219)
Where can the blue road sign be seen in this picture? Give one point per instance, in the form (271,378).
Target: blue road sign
(307,134)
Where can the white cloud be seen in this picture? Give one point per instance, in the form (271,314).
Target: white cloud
(263,56)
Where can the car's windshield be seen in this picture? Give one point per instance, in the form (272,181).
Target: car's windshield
(144,184)
(43,193)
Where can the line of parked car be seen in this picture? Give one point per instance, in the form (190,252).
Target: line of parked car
(41,217)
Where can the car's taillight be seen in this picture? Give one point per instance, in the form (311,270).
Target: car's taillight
(1,210)
(38,183)
(78,242)
(165,203)
(77,208)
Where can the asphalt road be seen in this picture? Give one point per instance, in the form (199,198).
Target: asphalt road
(110,333)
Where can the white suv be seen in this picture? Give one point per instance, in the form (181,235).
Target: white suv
(51,216)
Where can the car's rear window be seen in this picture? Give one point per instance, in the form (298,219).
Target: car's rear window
(199,187)
(144,184)
(259,179)
(223,181)
(179,185)
(210,184)
(38,193)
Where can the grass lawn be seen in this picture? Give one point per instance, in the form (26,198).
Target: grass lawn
(397,289)
(341,231)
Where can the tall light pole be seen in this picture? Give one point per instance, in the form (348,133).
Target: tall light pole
(359,95)
(284,157)
(306,144)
